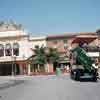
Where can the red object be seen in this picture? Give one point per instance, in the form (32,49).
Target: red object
(83,39)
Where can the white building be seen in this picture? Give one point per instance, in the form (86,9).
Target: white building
(15,48)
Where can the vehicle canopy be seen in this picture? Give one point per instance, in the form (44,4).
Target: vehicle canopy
(83,59)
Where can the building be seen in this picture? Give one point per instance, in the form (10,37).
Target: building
(63,44)
(11,47)
(33,43)
(15,49)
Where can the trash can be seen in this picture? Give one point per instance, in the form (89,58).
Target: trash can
(58,71)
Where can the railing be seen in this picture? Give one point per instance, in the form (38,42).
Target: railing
(9,58)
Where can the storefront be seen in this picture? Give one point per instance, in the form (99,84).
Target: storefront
(64,64)
(9,68)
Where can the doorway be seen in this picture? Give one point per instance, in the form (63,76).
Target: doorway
(6,69)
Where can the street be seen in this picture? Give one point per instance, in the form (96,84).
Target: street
(51,88)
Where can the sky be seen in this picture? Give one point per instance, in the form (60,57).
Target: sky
(42,17)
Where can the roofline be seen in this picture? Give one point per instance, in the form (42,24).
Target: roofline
(37,38)
(60,36)
(69,35)
(10,36)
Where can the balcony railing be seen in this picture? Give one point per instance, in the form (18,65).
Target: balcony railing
(9,58)
(91,49)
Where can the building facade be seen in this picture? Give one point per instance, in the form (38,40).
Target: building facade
(16,49)
(63,44)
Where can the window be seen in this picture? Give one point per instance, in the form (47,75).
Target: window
(1,50)
(8,50)
(16,49)
(36,46)
(65,46)
(65,41)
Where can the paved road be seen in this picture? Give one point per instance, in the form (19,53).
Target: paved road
(51,88)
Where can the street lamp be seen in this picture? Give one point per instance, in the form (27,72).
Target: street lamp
(13,65)
(12,72)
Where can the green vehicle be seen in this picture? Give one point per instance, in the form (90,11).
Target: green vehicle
(82,66)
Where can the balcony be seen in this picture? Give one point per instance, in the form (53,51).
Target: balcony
(11,58)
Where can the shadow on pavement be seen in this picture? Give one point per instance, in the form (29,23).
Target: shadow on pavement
(87,80)
(81,79)
(12,83)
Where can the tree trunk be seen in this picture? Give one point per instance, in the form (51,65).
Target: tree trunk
(46,67)
(38,68)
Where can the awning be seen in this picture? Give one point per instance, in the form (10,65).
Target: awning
(64,60)
(83,39)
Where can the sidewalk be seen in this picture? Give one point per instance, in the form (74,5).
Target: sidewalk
(6,81)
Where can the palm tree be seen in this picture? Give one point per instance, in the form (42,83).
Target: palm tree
(39,57)
(42,57)
(52,57)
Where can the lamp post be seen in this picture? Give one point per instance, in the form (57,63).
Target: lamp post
(12,73)
(13,65)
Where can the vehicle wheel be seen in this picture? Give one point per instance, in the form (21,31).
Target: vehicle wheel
(71,75)
(94,79)
(77,75)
